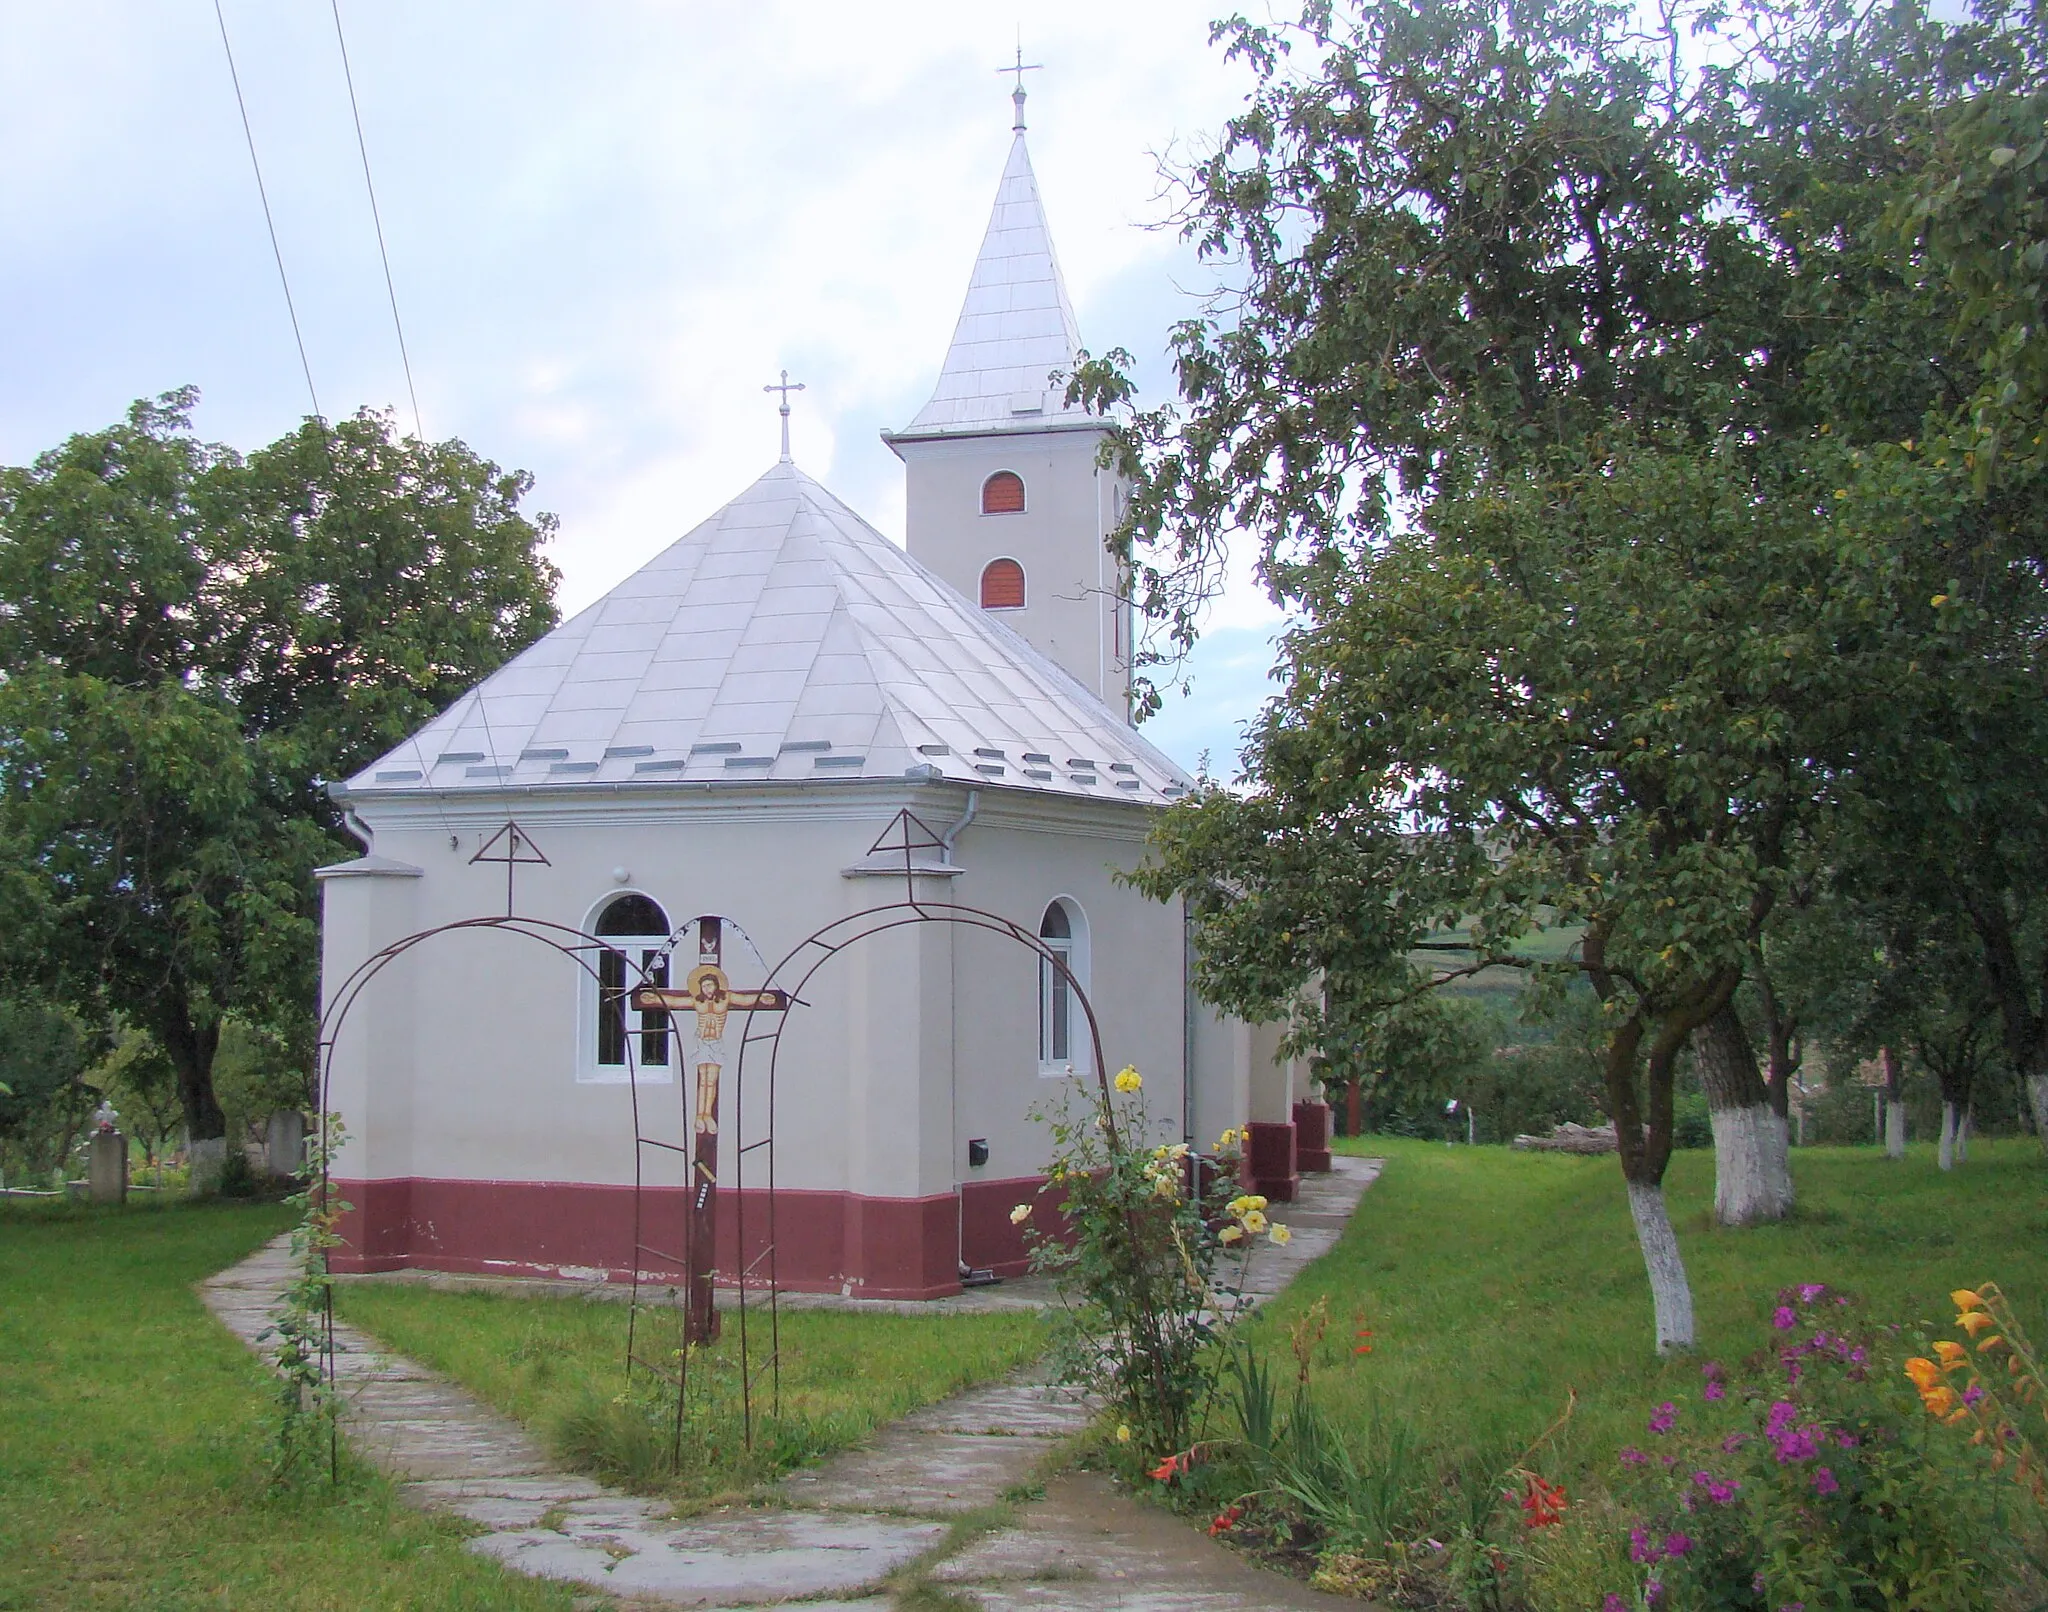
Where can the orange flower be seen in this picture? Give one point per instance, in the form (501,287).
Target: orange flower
(1952,1354)
(1169,1469)
(1975,1321)
(1939,1401)
(1963,1299)
(1543,1503)
(1925,1373)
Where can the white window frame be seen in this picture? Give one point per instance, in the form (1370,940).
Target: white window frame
(635,949)
(1079,1059)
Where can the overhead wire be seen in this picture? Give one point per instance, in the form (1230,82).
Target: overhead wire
(269,223)
(377,218)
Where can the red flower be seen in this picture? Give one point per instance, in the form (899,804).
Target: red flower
(1542,1503)
(1226,1519)
(1362,1347)
(1169,1469)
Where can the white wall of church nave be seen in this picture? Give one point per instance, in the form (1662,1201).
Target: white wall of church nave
(907,1049)
(1071,612)
(1134,983)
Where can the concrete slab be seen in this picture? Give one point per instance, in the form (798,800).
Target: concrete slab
(934,1474)
(1028,1408)
(739,1559)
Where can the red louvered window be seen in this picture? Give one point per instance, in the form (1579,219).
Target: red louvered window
(1003,494)
(1002,585)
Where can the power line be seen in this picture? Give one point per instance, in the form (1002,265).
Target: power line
(268,222)
(376,218)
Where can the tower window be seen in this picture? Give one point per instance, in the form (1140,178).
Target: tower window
(1003,494)
(1002,585)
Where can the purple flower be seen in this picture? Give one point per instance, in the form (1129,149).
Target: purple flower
(1641,1548)
(1711,1369)
(1847,1441)
(1783,1414)
(1653,1592)
(1677,1544)
(1733,1442)
(1664,1418)
(1797,1445)
(1785,1319)
(1634,1457)
(1613,1603)
(1857,1356)
(1809,1291)
(1973,1393)
(1716,1390)
(1824,1482)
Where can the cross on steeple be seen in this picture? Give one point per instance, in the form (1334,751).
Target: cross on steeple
(785,387)
(1020,67)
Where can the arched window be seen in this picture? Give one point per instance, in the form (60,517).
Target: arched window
(1002,585)
(1003,494)
(1062,1027)
(636,932)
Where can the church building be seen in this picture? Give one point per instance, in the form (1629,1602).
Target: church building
(711,764)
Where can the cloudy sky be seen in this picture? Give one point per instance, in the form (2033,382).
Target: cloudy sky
(609,223)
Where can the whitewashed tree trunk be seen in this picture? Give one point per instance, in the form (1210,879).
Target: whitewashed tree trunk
(206,1160)
(1945,1150)
(1670,1292)
(1894,1130)
(1752,1165)
(2037,1099)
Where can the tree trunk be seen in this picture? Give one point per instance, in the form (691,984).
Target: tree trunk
(1963,1128)
(1752,1167)
(1894,1105)
(2037,1100)
(1670,1292)
(191,1051)
(1945,1151)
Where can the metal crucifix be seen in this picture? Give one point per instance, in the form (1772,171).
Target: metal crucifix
(785,386)
(707,995)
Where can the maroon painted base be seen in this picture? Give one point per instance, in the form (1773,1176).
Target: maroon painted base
(826,1242)
(1269,1166)
(1312,1137)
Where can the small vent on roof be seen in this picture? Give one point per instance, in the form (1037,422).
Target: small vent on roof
(992,755)
(750,761)
(659,766)
(988,769)
(806,744)
(934,750)
(396,777)
(544,755)
(722,748)
(1080,764)
(1033,755)
(1037,775)
(1129,783)
(840,761)
(448,756)
(1122,766)
(572,767)
(485,772)
(1027,403)
(1080,777)
(612,750)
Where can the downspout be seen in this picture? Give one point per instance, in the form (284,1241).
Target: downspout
(946,839)
(357,827)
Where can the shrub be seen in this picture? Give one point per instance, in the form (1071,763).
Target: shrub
(1808,1481)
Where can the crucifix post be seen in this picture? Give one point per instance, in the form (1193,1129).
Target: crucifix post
(707,997)
(1020,67)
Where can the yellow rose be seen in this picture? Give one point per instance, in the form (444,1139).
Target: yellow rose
(1020,1214)
(1128,1079)
(1226,1141)
(1254,1222)
(1256,1201)
(1230,1234)
(1281,1235)
(1123,1433)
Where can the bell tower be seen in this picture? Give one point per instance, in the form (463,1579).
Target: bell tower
(1003,496)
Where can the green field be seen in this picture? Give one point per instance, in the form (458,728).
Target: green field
(133,1441)
(556,1364)
(1497,1282)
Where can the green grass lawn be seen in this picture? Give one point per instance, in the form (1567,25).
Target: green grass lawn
(133,1441)
(557,1365)
(1494,1282)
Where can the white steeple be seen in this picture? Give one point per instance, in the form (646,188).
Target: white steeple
(1016,325)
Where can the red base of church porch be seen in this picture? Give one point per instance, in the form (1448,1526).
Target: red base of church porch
(826,1242)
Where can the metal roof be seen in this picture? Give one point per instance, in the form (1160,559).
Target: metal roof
(1015,328)
(783,639)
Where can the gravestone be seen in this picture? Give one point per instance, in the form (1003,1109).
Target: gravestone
(106,1167)
(284,1142)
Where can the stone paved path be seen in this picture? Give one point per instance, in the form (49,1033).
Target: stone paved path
(837,1530)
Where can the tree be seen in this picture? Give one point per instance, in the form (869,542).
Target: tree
(192,642)
(1571,393)
(43,1051)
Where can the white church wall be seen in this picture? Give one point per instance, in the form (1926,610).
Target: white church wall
(1071,611)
